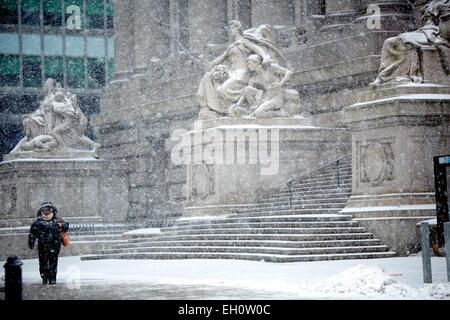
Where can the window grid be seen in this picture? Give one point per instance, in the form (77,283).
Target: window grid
(51,27)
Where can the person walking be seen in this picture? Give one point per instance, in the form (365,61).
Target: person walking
(47,230)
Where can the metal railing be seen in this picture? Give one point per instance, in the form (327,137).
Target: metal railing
(336,163)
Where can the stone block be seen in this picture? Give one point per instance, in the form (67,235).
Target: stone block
(77,187)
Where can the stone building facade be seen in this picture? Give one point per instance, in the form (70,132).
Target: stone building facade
(332,46)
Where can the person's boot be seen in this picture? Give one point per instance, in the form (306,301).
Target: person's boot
(44,281)
(52,281)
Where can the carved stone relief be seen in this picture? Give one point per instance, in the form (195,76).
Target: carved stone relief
(376,163)
(203,181)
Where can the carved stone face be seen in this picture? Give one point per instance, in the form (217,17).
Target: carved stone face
(444,27)
(235,30)
(252,64)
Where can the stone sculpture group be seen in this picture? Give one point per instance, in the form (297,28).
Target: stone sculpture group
(58,125)
(253,83)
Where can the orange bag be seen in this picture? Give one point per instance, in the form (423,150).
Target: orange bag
(64,235)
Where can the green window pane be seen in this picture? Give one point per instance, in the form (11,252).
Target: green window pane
(52,6)
(8,4)
(53,67)
(110,69)
(31,5)
(94,7)
(109,8)
(75,72)
(9,65)
(9,71)
(94,12)
(75,67)
(32,76)
(52,13)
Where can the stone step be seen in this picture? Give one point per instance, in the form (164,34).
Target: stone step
(326,224)
(281,237)
(241,256)
(335,201)
(324,175)
(101,237)
(263,250)
(240,230)
(277,218)
(325,181)
(330,188)
(254,243)
(287,211)
(322,192)
(310,197)
(295,206)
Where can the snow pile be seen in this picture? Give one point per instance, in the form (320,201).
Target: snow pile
(371,282)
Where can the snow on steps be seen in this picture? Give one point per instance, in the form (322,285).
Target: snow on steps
(300,224)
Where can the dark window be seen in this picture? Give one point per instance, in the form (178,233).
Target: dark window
(52,13)
(96,73)
(322,7)
(75,72)
(8,12)
(9,70)
(32,76)
(30,12)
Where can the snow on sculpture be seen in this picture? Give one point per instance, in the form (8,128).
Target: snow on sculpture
(402,56)
(58,125)
(255,87)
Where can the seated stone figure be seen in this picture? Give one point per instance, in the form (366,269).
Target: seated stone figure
(58,124)
(265,91)
(402,57)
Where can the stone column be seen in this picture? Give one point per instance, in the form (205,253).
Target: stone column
(275,13)
(207,24)
(143,45)
(240,10)
(123,38)
(340,6)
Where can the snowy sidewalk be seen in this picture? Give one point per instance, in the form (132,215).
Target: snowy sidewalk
(388,278)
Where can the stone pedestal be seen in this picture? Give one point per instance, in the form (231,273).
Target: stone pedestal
(78,188)
(252,157)
(396,131)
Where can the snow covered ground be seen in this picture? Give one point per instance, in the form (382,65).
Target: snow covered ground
(387,279)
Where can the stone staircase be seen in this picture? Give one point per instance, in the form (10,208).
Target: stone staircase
(299,223)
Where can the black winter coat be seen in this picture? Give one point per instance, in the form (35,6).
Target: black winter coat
(48,233)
